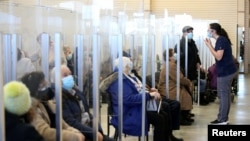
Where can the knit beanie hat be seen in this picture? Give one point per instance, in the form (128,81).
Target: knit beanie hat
(17,98)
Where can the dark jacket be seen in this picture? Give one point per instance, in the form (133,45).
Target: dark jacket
(193,58)
(71,108)
(132,106)
(18,130)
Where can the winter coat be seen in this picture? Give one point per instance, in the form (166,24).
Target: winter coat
(18,130)
(132,105)
(72,112)
(193,58)
(44,126)
(185,98)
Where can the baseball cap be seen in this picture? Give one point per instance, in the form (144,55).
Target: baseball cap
(186,28)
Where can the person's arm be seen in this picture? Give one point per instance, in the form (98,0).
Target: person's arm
(217,54)
(69,118)
(49,133)
(130,96)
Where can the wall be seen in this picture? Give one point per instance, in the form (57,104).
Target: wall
(225,11)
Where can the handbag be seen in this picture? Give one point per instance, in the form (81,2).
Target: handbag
(154,105)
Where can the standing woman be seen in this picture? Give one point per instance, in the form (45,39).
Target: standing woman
(226,69)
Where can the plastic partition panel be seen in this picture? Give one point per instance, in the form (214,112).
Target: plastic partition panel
(45,41)
(198,87)
(113,44)
(79,54)
(202,52)
(178,70)
(186,56)
(144,73)
(131,45)
(58,87)
(2,114)
(7,56)
(152,38)
(96,74)
(13,56)
(166,43)
(120,87)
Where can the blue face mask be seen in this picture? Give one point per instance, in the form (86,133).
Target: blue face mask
(68,82)
(175,56)
(190,35)
(69,57)
(209,34)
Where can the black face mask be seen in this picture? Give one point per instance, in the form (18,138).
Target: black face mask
(45,94)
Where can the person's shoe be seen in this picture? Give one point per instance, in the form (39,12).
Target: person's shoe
(216,122)
(107,138)
(173,138)
(185,123)
(204,103)
(190,114)
(190,119)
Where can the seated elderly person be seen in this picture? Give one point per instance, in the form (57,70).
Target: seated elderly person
(132,104)
(44,108)
(186,87)
(75,107)
(18,113)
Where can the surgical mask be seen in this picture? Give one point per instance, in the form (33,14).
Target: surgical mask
(175,56)
(209,34)
(45,94)
(69,57)
(190,35)
(131,65)
(68,82)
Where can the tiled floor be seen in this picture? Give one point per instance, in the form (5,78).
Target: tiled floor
(239,114)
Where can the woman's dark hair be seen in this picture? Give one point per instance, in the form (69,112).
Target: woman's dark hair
(220,31)
(170,53)
(32,81)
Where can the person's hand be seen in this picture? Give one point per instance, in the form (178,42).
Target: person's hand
(198,66)
(153,90)
(203,70)
(208,42)
(156,95)
(81,137)
(191,86)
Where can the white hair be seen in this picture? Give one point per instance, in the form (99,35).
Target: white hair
(125,62)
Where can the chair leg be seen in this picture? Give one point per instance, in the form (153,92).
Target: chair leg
(116,135)
(139,138)
(108,130)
